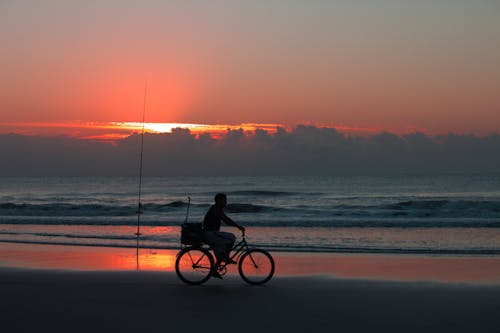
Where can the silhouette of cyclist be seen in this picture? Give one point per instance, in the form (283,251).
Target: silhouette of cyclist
(221,242)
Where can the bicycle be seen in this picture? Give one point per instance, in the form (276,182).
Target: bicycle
(194,263)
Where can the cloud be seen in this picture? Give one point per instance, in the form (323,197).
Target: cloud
(304,150)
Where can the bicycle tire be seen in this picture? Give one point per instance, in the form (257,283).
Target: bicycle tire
(194,265)
(256,266)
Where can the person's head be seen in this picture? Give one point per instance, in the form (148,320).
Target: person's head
(220,199)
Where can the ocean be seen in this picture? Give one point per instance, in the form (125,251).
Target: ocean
(450,214)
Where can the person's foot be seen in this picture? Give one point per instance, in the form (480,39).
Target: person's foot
(216,274)
(230,261)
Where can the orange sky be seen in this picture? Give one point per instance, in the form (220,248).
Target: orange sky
(112,131)
(392,65)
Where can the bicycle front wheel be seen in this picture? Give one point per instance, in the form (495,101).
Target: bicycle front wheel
(256,266)
(194,265)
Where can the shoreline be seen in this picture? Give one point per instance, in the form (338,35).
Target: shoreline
(298,249)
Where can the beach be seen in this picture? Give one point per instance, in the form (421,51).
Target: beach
(91,289)
(57,301)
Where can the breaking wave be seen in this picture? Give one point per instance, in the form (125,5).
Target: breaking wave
(407,214)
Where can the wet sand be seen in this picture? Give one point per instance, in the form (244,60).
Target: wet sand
(86,301)
(81,289)
(417,268)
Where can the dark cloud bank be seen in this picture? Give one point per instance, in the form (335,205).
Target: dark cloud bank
(306,150)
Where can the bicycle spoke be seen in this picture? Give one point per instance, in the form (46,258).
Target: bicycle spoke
(194,265)
(256,266)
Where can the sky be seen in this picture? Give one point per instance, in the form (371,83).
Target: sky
(395,65)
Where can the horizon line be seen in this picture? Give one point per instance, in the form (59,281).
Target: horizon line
(115,130)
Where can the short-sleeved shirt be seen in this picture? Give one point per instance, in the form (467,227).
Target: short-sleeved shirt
(213,218)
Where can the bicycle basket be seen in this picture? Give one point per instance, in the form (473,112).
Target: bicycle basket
(191,233)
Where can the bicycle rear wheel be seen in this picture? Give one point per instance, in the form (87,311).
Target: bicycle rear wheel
(194,265)
(256,266)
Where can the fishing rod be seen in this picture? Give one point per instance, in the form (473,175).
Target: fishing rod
(139,204)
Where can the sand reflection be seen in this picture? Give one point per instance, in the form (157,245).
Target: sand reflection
(85,258)
(393,267)
(484,269)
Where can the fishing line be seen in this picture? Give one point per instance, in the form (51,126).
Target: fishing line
(139,204)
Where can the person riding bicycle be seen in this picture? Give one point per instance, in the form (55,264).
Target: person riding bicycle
(221,242)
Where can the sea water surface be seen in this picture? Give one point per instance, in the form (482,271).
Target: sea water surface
(453,214)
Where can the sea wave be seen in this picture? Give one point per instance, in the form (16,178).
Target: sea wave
(67,209)
(448,208)
(251,208)
(404,213)
(261,193)
(334,222)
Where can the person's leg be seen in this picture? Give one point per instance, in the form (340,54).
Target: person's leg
(224,242)
(217,245)
(227,240)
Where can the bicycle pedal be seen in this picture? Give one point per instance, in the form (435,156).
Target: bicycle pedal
(222,270)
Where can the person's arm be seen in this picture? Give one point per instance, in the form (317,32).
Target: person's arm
(229,221)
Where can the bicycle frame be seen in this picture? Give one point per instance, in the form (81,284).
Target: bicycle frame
(237,250)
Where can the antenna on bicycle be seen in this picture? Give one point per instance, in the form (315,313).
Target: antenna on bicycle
(187,212)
